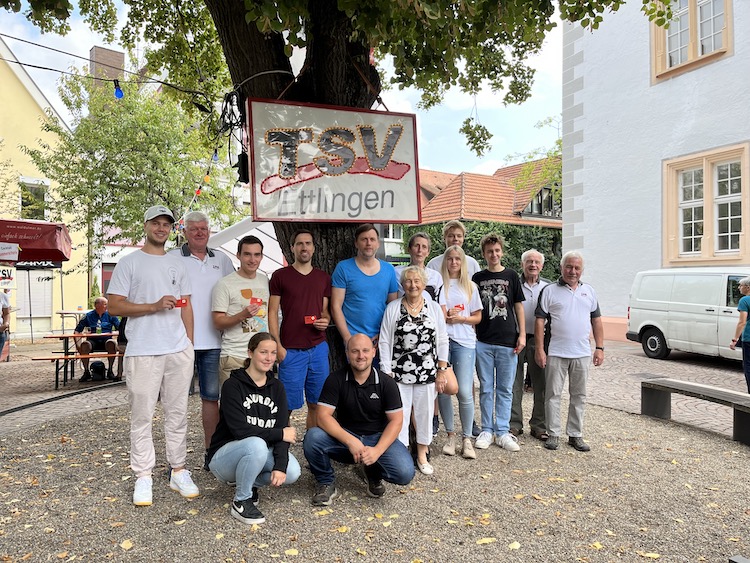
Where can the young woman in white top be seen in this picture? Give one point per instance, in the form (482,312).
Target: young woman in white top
(462,308)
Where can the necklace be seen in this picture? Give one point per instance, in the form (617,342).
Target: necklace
(416,309)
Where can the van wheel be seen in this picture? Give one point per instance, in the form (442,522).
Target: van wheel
(654,344)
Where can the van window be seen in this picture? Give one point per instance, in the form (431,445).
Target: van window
(733,291)
(655,288)
(697,289)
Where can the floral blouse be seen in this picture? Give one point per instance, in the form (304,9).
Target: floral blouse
(415,348)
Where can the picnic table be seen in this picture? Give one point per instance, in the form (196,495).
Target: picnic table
(67,359)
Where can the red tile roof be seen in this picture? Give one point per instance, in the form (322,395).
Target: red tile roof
(479,197)
(431,183)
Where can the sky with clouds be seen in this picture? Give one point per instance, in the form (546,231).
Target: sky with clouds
(441,146)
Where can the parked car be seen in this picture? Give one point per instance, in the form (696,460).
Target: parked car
(687,309)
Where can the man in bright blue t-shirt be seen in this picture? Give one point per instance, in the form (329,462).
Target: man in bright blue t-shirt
(361,287)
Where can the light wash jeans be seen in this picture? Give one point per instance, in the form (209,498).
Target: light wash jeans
(496,368)
(249,462)
(558,370)
(463,360)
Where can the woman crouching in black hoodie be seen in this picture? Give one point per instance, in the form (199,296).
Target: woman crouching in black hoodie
(251,443)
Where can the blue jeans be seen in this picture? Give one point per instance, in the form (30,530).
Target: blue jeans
(746,362)
(496,369)
(207,364)
(304,371)
(463,360)
(249,462)
(396,465)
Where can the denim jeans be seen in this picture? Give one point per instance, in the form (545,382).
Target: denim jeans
(463,360)
(496,369)
(746,362)
(207,364)
(396,465)
(303,373)
(249,462)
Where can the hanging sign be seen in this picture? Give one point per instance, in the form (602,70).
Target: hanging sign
(7,276)
(323,163)
(8,251)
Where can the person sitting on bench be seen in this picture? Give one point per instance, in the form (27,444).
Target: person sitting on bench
(97,321)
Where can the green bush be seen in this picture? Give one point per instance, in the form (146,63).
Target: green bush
(518,239)
(95,292)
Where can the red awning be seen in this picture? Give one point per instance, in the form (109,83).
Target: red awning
(37,240)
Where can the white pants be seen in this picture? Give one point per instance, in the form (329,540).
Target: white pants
(148,378)
(422,398)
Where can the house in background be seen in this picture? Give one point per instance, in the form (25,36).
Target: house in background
(656,145)
(39,293)
(512,195)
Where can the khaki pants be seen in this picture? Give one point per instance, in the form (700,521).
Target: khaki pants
(226,365)
(149,379)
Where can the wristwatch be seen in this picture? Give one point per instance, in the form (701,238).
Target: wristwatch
(444,368)
(600,348)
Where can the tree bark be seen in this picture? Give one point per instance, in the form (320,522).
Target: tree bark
(330,75)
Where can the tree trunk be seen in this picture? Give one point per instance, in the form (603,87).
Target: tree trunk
(330,75)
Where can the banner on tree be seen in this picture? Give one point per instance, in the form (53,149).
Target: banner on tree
(323,163)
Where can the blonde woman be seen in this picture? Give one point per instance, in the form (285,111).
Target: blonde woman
(462,308)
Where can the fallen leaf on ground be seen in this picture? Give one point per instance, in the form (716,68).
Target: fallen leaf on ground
(484,541)
(514,545)
(291,552)
(127,545)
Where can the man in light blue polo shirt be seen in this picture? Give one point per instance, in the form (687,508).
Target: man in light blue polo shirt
(361,287)
(572,309)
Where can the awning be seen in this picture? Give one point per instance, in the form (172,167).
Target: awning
(37,240)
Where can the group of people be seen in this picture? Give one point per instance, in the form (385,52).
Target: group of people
(413,337)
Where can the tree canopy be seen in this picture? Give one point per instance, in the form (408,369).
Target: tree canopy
(121,156)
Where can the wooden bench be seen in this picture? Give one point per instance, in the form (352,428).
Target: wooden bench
(62,362)
(656,401)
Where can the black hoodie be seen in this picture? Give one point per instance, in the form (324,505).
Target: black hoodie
(248,410)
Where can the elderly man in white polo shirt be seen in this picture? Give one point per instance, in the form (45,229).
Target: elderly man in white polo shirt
(572,309)
(205,267)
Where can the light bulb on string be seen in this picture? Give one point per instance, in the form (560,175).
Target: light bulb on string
(119,94)
(198,191)
(215,157)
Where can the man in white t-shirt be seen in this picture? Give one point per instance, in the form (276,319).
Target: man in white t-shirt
(205,267)
(454,234)
(239,306)
(152,289)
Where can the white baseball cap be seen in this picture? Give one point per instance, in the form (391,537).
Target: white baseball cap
(157,211)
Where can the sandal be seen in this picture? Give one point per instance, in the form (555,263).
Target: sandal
(540,435)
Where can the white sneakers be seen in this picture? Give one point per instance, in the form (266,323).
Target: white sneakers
(508,442)
(181,482)
(483,440)
(450,445)
(468,449)
(142,495)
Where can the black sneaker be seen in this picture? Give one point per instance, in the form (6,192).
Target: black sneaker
(578,443)
(372,478)
(324,494)
(435,425)
(110,375)
(476,430)
(255,498)
(552,443)
(246,512)
(205,462)
(86,376)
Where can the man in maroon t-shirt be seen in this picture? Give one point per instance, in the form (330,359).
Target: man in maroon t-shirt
(302,292)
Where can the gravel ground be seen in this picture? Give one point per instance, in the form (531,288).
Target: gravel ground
(648,490)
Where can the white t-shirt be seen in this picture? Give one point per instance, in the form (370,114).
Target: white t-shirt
(471,265)
(146,278)
(463,334)
(4,301)
(569,312)
(232,294)
(204,275)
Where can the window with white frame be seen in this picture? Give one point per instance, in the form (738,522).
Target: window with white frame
(544,203)
(33,198)
(691,210)
(707,206)
(728,201)
(395,232)
(699,31)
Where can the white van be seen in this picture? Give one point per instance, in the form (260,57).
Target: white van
(688,309)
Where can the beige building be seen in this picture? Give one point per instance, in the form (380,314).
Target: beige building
(39,293)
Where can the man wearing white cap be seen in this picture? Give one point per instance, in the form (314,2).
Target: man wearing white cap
(152,289)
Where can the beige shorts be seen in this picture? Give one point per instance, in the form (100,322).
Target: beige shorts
(226,365)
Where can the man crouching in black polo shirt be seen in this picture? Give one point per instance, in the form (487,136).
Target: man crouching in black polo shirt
(364,430)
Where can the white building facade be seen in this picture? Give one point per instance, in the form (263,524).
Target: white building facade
(656,143)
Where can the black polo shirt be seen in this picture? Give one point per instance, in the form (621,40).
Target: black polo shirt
(361,409)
